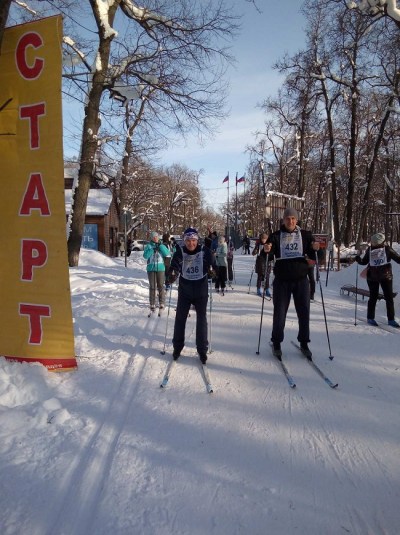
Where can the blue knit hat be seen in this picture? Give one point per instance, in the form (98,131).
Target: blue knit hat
(153,234)
(191,234)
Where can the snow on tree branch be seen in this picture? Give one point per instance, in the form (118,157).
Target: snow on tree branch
(377,7)
(146,18)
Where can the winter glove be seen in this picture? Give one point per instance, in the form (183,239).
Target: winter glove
(211,273)
(171,277)
(357,258)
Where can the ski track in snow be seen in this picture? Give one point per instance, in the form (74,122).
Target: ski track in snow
(87,476)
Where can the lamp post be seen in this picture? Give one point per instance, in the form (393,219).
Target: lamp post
(125,213)
(179,200)
(266,220)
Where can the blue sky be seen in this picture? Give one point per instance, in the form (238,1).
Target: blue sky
(262,40)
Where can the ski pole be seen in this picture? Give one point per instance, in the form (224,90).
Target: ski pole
(251,276)
(210,322)
(261,318)
(267,274)
(166,326)
(323,307)
(355,308)
(262,306)
(328,267)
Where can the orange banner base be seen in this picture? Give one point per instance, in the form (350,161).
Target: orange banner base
(52,364)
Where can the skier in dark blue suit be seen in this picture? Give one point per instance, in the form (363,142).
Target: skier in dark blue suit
(194,265)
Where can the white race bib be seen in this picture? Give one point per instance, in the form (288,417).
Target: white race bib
(192,266)
(377,257)
(291,244)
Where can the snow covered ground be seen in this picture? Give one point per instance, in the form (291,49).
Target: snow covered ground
(104,450)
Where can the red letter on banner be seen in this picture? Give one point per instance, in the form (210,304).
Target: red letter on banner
(27,71)
(35,196)
(32,112)
(34,254)
(35,313)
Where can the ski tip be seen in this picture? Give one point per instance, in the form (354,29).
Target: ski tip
(331,357)
(335,386)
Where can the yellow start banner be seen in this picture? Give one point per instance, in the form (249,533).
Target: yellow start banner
(35,311)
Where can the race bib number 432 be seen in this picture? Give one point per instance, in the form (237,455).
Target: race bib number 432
(291,244)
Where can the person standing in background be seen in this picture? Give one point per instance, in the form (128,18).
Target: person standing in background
(121,246)
(231,250)
(155,254)
(262,267)
(222,265)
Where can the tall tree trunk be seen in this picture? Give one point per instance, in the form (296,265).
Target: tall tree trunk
(347,233)
(128,152)
(91,126)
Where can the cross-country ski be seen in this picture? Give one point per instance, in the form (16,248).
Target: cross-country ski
(171,364)
(315,367)
(277,355)
(206,377)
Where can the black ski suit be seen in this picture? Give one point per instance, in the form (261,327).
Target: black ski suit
(291,279)
(380,275)
(191,291)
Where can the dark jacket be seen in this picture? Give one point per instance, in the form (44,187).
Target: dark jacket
(261,263)
(291,269)
(261,260)
(379,273)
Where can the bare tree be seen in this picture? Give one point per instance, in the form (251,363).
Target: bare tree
(337,108)
(167,59)
(188,35)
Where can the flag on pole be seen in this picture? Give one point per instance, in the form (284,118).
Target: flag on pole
(225,179)
(241,179)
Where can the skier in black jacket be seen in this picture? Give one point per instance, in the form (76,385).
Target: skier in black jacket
(291,246)
(194,264)
(378,258)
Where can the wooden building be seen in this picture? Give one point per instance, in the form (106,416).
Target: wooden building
(101,221)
